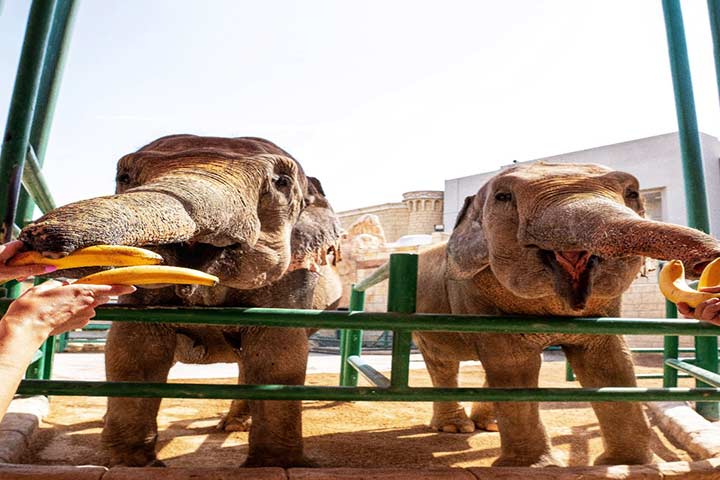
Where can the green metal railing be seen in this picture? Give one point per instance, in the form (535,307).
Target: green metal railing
(27,131)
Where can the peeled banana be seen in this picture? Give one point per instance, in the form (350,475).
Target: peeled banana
(150,274)
(674,288)
(95,256)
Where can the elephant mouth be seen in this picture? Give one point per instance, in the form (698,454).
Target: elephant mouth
(572,273)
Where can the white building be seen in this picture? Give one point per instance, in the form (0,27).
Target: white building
(655,161)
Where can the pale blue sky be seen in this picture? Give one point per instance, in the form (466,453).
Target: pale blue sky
(375,98)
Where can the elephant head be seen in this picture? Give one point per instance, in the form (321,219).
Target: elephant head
(239,208)
(569,230)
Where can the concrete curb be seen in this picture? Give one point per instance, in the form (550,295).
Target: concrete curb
(700,470)
(19,425)
(686,427)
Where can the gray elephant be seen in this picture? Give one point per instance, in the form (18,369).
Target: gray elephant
(241,209)
(548,240)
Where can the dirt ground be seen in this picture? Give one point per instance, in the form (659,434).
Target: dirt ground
(337,434)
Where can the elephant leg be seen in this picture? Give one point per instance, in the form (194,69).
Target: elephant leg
(135,353)
(523,439)
(607,362)
(447,416)
(483,415)
(238,418)
(275,356)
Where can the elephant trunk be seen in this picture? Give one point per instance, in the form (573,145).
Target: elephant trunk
(169,210)
(137,218)
(606,229)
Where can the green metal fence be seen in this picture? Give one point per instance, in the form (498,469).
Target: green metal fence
(27,131)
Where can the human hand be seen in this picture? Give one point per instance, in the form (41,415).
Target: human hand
(52,308)
(18,273)
(707,311)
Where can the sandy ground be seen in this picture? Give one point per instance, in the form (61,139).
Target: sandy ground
(361,434)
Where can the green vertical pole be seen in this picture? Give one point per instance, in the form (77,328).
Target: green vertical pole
(671,349)
(695,196)
(714,14)
(402,293)
(53,65)
(17,130)
(351,342)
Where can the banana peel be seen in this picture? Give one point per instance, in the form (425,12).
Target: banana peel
(674,287)
(150,275)
(95,256)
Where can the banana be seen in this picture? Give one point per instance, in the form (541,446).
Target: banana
(95,256)
(674,288)
(710,276)
(150,274)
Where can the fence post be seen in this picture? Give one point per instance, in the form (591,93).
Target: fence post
(671,349)
(695,196)
(402,293)
(351,342)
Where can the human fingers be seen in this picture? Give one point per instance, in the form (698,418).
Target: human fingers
(46,285)
(9,249)
(685,309)
(715,289)
(78,320)
(24,271)
(110,290)
(708,310)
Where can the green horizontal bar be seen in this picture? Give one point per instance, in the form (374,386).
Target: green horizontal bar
(97,326)
(661,350)
(380,274)
(699,373)
(367,371)
(656,375)
(424,394)
(35,184)
(280,317)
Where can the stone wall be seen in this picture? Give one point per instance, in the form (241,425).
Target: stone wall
(393,217)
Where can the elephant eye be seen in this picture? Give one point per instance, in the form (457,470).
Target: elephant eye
(632,195)
(282,181)
(123,178)
(503,196)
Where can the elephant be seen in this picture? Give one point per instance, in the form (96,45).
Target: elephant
(546,239)
(238,208)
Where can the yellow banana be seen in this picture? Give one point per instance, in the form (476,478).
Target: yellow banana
(150,274)
(674,288)
(710,276)
(95,256)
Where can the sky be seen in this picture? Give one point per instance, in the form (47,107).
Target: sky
(375,98)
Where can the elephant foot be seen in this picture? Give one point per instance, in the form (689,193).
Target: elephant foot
(136,458)
(453,425)
(259,460)
(545,460)
(239,423)
(625,458)
(483,414)
(487,425)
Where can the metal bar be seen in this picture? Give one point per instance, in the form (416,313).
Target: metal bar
(671,349)
(714,14)
(19,120)
(709,378)
(646,376)
(414,394)
(280,317)
(695,195)
(35,185)
(51,77)
(401,299)
(569,374)
(380,274)
(352,341)
(367,371)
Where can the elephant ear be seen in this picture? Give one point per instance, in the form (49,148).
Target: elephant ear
(316,235)
(467,251)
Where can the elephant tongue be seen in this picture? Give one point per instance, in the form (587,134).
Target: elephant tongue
(573,262)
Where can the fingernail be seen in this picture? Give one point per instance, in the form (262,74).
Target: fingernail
(50,268)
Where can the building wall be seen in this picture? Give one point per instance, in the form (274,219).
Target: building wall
(418,213)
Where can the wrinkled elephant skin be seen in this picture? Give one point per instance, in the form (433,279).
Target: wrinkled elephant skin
(546,240)
(238,208)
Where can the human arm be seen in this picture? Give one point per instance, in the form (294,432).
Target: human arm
(47,309)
